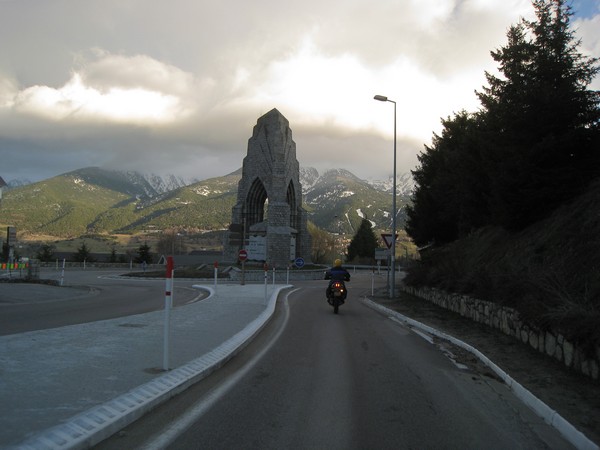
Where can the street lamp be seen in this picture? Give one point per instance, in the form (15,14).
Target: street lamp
(383,98)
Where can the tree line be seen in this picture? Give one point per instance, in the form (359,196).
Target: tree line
(533,145)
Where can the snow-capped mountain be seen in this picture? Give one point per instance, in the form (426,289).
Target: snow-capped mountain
(338,200)
(309,177)
(404,184)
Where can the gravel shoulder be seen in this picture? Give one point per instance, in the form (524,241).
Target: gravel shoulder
(575,397)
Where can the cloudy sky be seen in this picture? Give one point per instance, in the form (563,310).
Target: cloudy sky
(175,86)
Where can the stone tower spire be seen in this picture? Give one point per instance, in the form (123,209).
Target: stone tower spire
(268,219)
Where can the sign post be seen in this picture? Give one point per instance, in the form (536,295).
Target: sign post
(373,281)
(11,241)
(168,305)
(390,242)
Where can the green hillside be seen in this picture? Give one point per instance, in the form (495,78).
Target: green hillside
(85,201)
(201,206)
(95,202)
(62,206)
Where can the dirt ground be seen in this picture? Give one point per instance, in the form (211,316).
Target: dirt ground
(575,397)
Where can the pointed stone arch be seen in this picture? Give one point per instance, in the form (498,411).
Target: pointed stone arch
(291,199)
(270,176)
(255,203)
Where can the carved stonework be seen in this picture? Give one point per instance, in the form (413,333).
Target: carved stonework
(268,219)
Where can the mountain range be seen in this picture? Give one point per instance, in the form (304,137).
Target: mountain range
(93,200)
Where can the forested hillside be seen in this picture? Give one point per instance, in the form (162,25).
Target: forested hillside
(102,202)
(93,200)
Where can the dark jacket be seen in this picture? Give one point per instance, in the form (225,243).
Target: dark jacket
(337,273)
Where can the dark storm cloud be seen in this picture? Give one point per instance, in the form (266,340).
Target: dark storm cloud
(176,86)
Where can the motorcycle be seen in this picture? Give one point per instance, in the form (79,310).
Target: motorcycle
(336,295)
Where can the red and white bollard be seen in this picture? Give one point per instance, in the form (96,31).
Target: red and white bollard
(168,306)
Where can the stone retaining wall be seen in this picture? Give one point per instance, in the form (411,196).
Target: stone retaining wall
(509,322)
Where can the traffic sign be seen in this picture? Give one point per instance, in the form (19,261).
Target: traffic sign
(387,238)
(243,255)
(381,253)
(299,262)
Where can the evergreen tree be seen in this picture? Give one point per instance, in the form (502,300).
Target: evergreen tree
(540,120)
(46,253)
(534,144)
(144,254)
(450,198)
(113,255)
(363,243)
(82,254)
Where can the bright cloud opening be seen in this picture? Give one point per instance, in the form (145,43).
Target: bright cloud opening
(338,91)
(76,101)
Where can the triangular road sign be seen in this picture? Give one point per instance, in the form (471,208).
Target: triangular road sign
(387,238)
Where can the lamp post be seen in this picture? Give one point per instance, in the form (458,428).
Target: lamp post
(383,98)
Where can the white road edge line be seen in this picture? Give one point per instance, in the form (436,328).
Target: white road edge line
(551,417)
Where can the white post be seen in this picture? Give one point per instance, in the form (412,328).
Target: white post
(266,268)
(373,282)
(273,276)
(287,277)
(62,273)
(216,274)
(168,305)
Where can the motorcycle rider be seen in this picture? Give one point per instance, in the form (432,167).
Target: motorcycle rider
(336,273)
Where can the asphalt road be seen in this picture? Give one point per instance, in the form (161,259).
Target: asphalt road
(355,380)
(110,298)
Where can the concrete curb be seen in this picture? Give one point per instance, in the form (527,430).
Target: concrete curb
(90,427)
(550,416)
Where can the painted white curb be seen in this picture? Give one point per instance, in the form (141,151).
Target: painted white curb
(551,417)
(98,423)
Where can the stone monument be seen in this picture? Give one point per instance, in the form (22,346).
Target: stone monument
(268,220)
